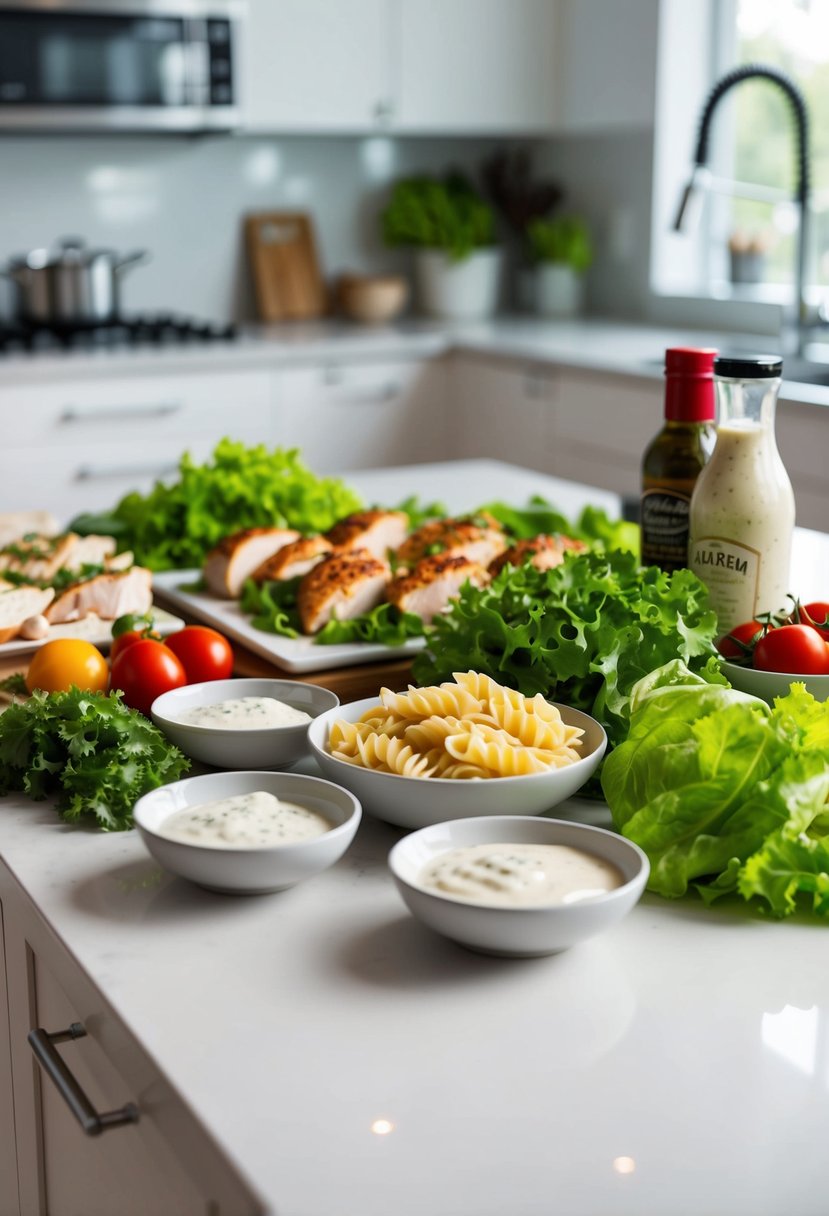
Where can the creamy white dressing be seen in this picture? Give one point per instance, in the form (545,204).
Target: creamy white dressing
(257,820)
(246,713)
(520,875)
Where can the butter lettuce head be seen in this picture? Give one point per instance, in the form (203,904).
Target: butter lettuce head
(724,792)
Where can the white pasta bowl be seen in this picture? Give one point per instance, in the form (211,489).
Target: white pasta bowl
(519,932)
(417,802)
(255,871)
(266,747)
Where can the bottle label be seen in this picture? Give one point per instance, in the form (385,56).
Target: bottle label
(665,519)
(731,572)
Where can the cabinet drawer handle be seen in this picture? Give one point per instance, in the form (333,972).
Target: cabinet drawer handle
(101,472)
(117,413)
(42,1044)
(380,396)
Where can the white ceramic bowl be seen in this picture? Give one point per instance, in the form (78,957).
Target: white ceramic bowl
(272,747)
(516,932)
(248,871)
(770,684)
(416,802)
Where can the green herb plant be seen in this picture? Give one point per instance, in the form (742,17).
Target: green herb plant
(564,239)
(428,213)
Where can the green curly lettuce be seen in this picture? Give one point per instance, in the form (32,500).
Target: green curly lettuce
(176,524)
(90,749)
(582,633)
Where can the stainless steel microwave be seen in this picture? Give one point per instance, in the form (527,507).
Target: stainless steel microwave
(129,65)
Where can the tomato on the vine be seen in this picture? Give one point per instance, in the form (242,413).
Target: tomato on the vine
(734,645)
(144,671)
(793,649)
(129,629)
(203,653)
(818,616)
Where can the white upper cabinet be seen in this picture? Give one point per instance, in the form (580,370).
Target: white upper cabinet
(450,66)
(607,64)
(317,65)
(476,65)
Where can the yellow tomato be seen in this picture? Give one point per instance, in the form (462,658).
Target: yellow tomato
(66,661)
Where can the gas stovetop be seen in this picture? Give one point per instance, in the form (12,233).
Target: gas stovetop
(146,329)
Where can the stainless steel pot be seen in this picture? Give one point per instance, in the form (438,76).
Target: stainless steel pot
(70,285)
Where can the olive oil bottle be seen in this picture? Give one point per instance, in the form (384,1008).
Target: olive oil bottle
(675,457)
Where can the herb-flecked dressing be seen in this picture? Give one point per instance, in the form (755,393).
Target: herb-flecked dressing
(245,821)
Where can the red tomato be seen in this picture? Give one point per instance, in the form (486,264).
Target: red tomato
(124,640)
(144,671)
(818,615)
(732,645)
(203,653)
(795,649)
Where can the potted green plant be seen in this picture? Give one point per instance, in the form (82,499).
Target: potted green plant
(452,231)
(562,250)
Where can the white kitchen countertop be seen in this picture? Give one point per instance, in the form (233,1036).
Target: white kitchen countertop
(633,349)
(679,1064)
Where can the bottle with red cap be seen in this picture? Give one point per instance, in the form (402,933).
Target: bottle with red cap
(675,457)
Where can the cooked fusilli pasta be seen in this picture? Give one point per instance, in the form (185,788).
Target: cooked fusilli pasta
(475,728)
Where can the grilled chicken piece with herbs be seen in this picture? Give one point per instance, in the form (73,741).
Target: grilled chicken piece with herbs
(90,551)
(380,532)
(237,556)
(477,537)
(37,558)
(14,524)
(434,581)
(107,595)
(293,560)
(543,552)
(342,586)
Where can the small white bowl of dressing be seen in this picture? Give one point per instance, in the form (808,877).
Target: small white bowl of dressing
(220,832)
(516,885)
(242,724)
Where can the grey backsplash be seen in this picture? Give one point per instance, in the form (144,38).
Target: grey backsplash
(183,199)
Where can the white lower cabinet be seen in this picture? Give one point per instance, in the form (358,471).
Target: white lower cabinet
(80,445)
(502,410)
(162,1164)
(582,426)
(345,415)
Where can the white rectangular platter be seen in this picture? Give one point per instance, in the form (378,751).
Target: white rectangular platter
(90,629)
(299,655)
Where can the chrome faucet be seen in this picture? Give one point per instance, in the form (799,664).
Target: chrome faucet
(700,175)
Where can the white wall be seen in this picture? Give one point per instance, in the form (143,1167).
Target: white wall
(184,199)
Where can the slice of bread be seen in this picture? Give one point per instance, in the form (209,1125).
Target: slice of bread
(18,605)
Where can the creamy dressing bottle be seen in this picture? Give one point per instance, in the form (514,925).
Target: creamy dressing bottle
(742,508)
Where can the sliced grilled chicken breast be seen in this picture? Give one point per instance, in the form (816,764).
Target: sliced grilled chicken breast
(477,537)
(544,552)
(107,595)
(341,587)
(90,551)
(17,605)
(14,524)
(237,556)
(39,557)
(120,561)
(377,531)
(433,583)
(293,560)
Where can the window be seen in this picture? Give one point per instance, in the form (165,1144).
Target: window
(753,143)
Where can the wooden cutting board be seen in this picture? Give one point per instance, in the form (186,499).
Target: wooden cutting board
(283,261)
